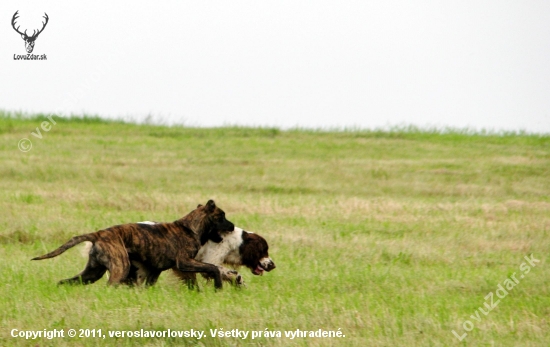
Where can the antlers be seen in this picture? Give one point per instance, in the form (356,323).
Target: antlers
(34,33)
(45,16)
(13,19)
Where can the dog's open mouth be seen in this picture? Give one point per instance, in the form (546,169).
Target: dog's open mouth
(258,271)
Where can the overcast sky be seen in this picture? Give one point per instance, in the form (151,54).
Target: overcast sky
(370,64)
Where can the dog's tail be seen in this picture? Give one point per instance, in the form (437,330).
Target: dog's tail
(71,243)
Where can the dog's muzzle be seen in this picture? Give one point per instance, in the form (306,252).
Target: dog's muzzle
(226,226)
(266,264)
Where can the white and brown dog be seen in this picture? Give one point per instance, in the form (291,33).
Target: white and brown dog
(237,248)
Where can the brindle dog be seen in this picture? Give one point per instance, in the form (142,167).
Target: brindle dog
(158,247)
(238,248)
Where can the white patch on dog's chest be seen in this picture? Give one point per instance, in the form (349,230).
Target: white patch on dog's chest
(226,251)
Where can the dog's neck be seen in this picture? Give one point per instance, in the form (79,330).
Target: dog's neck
(201,228)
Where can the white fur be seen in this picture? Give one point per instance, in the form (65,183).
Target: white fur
(265,262)
(224,252)
(147,222)
(85,251)
(227,251)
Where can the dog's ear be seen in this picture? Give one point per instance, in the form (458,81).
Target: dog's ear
(210,206)
(252,249)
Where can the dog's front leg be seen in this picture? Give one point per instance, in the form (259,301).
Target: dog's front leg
(232,276)
(229,275)
(192,265)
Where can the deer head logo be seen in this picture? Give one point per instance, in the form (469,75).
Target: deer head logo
(29,40)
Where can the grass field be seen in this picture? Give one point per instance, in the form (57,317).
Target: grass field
(394,237)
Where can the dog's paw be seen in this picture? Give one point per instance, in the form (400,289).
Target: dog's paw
(232,276)
(239,281)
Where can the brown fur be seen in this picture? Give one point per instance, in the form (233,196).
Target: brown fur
(253,249)
(250,252)
(156,247)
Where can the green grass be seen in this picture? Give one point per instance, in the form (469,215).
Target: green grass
(395,237)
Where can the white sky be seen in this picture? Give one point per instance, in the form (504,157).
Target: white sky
(477,64)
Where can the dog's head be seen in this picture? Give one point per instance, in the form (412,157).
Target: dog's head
(208,221)
(254,253)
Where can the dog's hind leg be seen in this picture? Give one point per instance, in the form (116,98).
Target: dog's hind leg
(91,273)
(152,277)
(115,258)
(119,267)
(133,276)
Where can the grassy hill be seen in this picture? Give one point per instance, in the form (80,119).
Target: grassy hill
(394,237)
